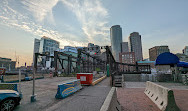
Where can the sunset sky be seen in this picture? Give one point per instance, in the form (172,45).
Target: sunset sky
(78,22)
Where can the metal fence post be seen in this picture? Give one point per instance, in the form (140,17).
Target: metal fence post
(108,70)
(2,78)
(68,65)
(55,62)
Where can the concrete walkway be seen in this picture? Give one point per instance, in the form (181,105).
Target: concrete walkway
(90,98)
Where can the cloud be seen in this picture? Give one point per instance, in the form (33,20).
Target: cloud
(91,15)
(13,18)
(41,9)
(93,18)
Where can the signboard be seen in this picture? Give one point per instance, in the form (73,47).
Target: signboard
(82,78)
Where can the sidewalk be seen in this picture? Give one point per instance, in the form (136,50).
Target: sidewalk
(91,98)
(181,98)
(134,99)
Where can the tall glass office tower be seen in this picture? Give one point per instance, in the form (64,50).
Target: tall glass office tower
(136,45)
(116,40)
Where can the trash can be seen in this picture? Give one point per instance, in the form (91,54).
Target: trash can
(85,78)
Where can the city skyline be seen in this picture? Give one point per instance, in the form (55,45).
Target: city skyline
(77,23)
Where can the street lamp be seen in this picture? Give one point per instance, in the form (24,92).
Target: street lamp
(33,96)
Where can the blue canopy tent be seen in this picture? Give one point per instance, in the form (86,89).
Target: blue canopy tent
(182,64)
(167,58)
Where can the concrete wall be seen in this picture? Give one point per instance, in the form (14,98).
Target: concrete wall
(161,96)
(111,103)
(147,77)
(68,88)
(15,78)
(183,78)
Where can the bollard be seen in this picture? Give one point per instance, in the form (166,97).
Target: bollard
(33,96)
(108,70)
(2,79)
(51,75)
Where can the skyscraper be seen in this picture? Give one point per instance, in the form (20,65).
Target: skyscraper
(124,47)
(136,45)
(116,40)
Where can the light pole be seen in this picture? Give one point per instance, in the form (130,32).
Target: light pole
(33,96)
(20,92)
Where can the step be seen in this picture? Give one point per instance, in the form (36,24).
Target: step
(118,85)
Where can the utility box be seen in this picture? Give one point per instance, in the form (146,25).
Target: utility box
(85,78)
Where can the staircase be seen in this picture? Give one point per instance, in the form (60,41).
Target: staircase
(118,81)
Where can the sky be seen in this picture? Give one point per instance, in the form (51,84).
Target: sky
(78,22)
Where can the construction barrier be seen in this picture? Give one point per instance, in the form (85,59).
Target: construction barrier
(85,78)
(12,78)
(68,88)
(111,103)
(161,96)
(98,80)
(9,86)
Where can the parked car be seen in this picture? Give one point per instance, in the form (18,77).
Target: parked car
(9,99)
(27,77)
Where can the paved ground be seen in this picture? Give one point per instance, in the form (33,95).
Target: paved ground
(177,86)
(135,84)
(45,90)
(181,98)
(90,98)
(132,97)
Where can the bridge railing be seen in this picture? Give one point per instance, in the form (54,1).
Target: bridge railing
(117,68)
(124,67)
(83,61)
(69,63)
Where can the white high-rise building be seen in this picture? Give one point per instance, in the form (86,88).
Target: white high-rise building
(45,45)
(136,45)
(116,40)
(48,45)
(36,47)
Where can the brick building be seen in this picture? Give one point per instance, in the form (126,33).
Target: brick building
(7,63)
(127,57)
(154,52)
